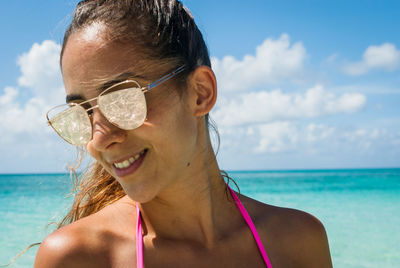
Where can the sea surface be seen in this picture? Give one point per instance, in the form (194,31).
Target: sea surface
(360,209)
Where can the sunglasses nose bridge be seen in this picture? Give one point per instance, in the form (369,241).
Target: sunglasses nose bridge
(92,108)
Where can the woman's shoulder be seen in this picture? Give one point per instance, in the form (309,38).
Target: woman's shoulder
(71,245)
(86,242)
(295,234)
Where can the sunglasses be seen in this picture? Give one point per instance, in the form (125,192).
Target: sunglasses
(122,104)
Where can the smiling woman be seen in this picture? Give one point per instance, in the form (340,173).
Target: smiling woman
(148,132)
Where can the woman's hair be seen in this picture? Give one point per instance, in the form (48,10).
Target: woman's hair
(164,31)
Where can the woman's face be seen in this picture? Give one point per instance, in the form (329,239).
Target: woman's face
(166,142)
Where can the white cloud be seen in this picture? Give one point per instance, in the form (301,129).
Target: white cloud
(267,106)
(276,137)
(24,133)
(284,136)
(17,118)
(299,138)
(332,57)
(287,136)
(385,57)
(274,60)
(317,132)
(9,96)
(40,67)
(368,88)
(41,77)
(271,127)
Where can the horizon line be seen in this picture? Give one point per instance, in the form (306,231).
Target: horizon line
(232,170)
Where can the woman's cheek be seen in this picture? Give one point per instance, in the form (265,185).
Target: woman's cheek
(96,155)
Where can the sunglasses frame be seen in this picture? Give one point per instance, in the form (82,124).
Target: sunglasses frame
(143,89)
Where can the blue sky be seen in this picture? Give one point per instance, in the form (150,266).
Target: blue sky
(302,84)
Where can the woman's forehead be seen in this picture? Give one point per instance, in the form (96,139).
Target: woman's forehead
(92,62)
(97,57)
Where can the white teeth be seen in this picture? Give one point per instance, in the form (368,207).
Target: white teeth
(127,163)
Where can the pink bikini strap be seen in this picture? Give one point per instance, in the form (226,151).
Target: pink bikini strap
(253,229)
(139,240)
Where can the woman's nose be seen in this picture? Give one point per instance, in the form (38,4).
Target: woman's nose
(105,134)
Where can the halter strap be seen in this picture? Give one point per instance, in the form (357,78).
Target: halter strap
(253,229)
(139,240)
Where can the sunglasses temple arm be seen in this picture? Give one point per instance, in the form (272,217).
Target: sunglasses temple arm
(165,78)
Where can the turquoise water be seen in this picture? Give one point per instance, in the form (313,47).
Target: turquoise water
(359,208)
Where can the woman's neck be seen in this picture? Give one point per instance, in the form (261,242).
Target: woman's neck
(191,210)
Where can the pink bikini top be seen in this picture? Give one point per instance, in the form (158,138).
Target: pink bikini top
(246,216)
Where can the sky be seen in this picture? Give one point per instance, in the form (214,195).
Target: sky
(301,84)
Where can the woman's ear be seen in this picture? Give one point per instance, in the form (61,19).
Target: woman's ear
(203,86)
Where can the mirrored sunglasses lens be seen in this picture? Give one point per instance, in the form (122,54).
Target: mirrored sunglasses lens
(125,108)
(73,124)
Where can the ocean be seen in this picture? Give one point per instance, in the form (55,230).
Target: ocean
(359,208)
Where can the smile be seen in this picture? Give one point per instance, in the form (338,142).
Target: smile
(128,162)
(129,165)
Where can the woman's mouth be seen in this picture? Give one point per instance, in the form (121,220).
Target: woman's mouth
(130,165)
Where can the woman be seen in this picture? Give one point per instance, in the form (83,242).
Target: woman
(140,86)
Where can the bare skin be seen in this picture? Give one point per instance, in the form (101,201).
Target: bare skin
(189,220)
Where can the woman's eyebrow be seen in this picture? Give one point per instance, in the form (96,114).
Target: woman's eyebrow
(73,97)
(119,78)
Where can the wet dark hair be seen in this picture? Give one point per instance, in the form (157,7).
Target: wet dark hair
(163,29)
